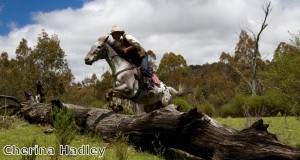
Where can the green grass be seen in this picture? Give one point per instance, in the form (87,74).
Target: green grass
(287,129)
(22,134)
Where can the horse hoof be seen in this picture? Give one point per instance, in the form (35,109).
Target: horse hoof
(115,109)
(120,108)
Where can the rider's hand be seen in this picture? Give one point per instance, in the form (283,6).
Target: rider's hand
(125,50)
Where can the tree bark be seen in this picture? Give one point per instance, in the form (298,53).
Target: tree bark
(267,9)
(192,132)
(14,99)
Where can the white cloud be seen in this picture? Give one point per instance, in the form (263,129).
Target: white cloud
(12,25)
(199,30)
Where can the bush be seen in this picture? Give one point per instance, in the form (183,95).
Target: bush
(65,128)
(121,146)
(226,111)
(237,106)
(6,122)
(64,125)
(279,114)
(269,104)
(298,145)
(184,105)
(252,106)
(207,108)
(276,102)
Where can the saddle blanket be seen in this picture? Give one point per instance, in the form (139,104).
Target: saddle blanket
(155,79)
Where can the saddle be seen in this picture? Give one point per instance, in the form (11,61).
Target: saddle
(143,82)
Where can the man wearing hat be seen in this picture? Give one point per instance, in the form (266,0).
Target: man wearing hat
(130,47)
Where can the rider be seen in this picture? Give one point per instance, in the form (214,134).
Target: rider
(132,50)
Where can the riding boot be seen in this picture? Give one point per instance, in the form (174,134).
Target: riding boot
(151,88)
(151,83)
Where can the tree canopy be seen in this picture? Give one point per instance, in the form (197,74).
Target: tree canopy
(223,86)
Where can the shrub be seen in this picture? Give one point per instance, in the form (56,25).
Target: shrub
(252,106)
(6,122)
(237,106)
(65,128)
(276,102)
(64,125)
(298,145)
(279,114)
(121,146)
(184,105)
(267,105)
(207,108)
(127,110)
(226,111)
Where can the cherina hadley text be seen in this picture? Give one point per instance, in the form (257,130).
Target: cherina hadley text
(63,150)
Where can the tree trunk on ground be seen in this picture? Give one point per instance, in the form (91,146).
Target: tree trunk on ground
(192,132)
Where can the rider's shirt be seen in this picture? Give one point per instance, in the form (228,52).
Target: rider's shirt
(130,39)
(134,56)
(127,40)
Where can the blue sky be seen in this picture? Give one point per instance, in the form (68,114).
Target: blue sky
(19,12)
(199,30)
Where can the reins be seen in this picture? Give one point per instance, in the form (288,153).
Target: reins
(121,71)
(115,75)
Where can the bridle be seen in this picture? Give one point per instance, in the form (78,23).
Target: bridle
(111,57)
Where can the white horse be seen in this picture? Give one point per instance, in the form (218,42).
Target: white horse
(127,85)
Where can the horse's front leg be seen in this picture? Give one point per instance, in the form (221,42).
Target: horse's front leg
(109,98)
(125,90)
(118,91)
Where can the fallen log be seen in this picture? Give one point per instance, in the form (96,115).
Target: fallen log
(14,99)
(192,132)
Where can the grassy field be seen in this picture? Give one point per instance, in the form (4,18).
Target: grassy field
(287,129)
(22,134)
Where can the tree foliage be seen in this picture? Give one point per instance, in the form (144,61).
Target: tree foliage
(213,83)
(283,75)
(48,64)
(243,62)
(217,88)
(173,69)
(22,53)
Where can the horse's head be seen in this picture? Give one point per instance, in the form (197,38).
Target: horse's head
(98,51)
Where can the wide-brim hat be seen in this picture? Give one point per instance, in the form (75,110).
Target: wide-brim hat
(116,29)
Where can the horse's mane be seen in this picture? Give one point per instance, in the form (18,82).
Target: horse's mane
(117,48)
(113,46)
(109,42)
(102,38)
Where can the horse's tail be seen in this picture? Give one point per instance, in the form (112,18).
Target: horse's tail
(180,92)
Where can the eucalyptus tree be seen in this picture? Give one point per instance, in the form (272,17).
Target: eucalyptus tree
(47,63)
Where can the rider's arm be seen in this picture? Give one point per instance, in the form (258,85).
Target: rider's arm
(134,43)
(126,50)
